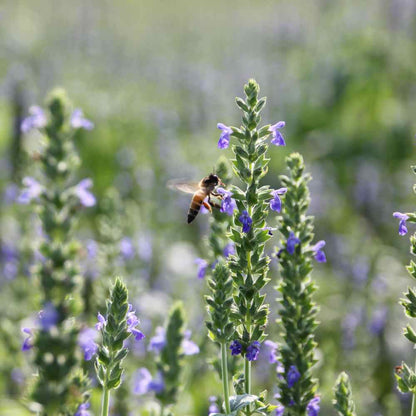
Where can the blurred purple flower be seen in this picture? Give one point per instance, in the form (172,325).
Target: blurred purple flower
(349,325)
(86,197)
(79,121)
(253,351)
(246,220)
(11,193)
(145,248)
(157,384)
(292,241)
(272,350)
(378,320)
(144,383)
(18,376)
(236,348)
(158,342)
(189,347)
(92,249)
(313,408)
(202,267)
(28,342)
(213,406)
(319,253)
(132,322)
(83,410)
(102,322)
(33,189)
(228,204)
(36,119)
(402,224)
(276,203)
(280,410)
(293,376)
(277,138)
(229,250)
(86,340)
(127,248)
(48,316)
(224,140)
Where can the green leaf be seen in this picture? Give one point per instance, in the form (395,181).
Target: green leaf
(241,401)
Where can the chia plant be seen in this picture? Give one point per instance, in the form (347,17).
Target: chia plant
(343,401)
(59,387)
(405,374)
(116,327)
(298,310)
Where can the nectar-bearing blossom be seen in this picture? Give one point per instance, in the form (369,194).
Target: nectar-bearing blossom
(253,351)
(402,224)
(224,140)
(158,342)
(144,383)
(229,250)
(277,138)
(236,348)
(83,410)
(78,120)
(36,119)
(313,407)
(228,204)
(101,322)
(272,350)
(86,340)
(280,410)
(32,190)
(292,376)
(292,241)
(202,267)
(189,347)
(319,253)
(276,202)
(48,316)
(132,322)
(28,342)
(86,197)
(246,220)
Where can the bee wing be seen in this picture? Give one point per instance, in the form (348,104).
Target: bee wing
(183,186)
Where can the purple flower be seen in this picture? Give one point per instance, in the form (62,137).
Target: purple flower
(272,349)
(28,342)
(127,248)
(293,376)
(79,121)
(276,203)
(86,198)
(189,347)
(235,348)
(144,383)
(158,342)
(202,267)
(229,250)
(280,410)
(213,407)
(253,351)
(83,410)
(313,406)
(101,322)
(86,340)
(33,189)
(36,119)
(132,322)
(291,243)
(319,253)
(246,220)
(157,384)
(277,138)
(228,204)
(402,224)
(48,316)
(224,140)
(378,320)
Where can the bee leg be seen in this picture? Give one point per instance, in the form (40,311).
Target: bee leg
(214,204)
(207,205)
(217,195)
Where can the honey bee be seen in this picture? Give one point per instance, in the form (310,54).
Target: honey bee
(201,190)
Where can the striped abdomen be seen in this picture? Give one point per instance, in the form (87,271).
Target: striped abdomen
(195,206)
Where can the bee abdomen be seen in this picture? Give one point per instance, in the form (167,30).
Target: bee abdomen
(192,213)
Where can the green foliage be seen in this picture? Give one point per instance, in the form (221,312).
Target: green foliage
(297,315)
(343,402)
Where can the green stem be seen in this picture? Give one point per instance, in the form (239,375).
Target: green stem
(224,376)
(162,409)
(247,376)
(414,403)
(104,402)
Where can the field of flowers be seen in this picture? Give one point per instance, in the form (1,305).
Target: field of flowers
(292,297)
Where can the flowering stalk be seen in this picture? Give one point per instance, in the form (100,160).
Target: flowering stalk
(249,265)
(119,323)
(297,315)
(220,325)
(343,402)
(406,377)
(59,387)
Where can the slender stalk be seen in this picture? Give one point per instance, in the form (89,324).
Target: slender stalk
(247,375)
(104,402)
(162,410)
(224,376)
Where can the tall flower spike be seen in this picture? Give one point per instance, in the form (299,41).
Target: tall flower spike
(343,402)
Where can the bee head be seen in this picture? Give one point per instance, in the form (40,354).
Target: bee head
(213,179)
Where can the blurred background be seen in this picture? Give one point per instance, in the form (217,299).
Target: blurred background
(155,78)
